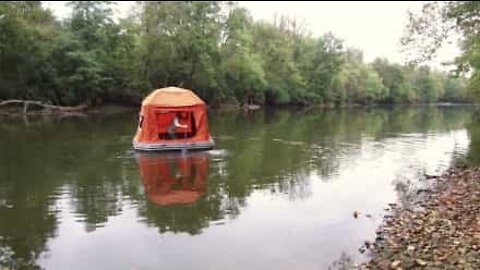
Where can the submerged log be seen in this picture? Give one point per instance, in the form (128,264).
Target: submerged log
(44,106)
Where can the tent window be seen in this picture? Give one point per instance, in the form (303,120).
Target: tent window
(176,125)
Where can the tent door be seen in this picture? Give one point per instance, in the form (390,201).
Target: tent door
(167,125)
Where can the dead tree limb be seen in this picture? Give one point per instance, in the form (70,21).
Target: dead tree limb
(45,107)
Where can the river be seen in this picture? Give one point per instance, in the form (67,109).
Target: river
(279,191)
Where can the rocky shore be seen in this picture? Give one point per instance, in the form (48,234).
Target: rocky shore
(442,231)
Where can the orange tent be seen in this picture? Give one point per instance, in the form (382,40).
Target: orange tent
(172,119)
(177,179)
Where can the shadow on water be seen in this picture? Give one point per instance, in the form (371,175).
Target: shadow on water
(87,162)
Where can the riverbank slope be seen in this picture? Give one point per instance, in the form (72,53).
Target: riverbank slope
(441,232)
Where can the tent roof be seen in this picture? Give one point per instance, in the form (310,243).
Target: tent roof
(172,97)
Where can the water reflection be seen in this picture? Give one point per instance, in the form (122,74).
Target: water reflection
(473,156)
(174,178)
(285,191)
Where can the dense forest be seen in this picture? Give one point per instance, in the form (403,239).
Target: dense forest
(215,48)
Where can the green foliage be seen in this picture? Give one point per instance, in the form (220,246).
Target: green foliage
(426,85)
(241,69)
(25,32)
(375,90)
(439,22)
(324,63)
(455,89)
(212,47)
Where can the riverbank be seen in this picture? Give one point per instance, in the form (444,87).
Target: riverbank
(122,107)
(442,231)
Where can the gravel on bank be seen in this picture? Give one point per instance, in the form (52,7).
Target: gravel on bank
(441,232)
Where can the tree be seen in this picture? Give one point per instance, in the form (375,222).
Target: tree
(281,72)
(354,74)
(438,22)
(375,91)
(243,73)
(454,89)
(100,50)
(426,85)
(325,64)
(179,44)
(215,48)
(395,78)
(26,31)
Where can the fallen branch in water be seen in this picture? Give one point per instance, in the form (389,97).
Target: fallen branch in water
(45,107)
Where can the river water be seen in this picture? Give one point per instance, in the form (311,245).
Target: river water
(279,190)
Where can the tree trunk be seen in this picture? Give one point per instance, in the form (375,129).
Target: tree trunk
(46,107)
(193,69)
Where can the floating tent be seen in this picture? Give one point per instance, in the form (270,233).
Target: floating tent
(174,179)
(163,107)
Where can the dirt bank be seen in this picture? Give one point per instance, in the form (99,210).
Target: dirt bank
(440,232)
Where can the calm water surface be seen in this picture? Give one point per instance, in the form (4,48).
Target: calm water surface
(278,192)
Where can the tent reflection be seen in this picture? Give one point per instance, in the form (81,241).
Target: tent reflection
(174,178)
